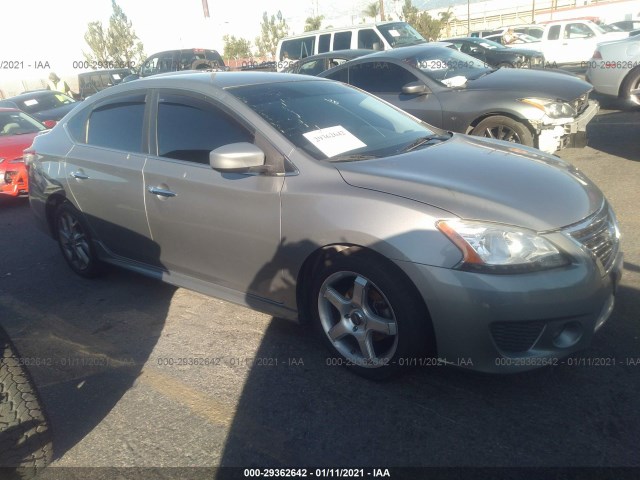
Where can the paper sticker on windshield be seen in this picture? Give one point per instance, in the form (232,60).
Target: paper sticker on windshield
(457,81)
(30,103)
(116,76)
(334,140)
(394,33)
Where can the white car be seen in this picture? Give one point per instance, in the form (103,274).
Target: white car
(614,69)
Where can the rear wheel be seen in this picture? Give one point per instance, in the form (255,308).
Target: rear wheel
(75,241)
(632,82)
(369,315)
(504,128)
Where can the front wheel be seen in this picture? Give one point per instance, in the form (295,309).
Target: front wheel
(369,315)
(504,128)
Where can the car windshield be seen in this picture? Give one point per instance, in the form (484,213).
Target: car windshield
(609,28)
(17,123)
(449,66)
(329,120)
(400,34)
(39,103)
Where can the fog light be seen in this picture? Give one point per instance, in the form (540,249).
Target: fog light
(568,335)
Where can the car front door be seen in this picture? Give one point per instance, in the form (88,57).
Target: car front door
(104,174)
(385,79)
(217,227)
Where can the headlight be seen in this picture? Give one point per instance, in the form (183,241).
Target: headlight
(495,248)
(552,108)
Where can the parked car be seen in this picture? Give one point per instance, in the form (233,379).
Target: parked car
(17,131)
(449,89)
(95,81)
(614,68)
(573,41)
(627,25)
(498,55)
(41,104)
(178,60)
(316,64)
(373,36)
(314,201)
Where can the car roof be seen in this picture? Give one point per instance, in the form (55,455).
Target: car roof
(220,80)
(405,52)
(351,53)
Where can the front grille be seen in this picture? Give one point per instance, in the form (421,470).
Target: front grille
(599,236)
(515,337)
(581,103)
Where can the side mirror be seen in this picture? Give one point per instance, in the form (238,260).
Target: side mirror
(415,88)
(49,123)
(236,157)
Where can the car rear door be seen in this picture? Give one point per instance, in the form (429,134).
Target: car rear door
(104,174)
(221,228)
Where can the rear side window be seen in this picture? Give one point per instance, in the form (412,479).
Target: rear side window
(368,38)
(117,124)
(342,41)
(554,32)
(297,48)
(189,128)
(324,43)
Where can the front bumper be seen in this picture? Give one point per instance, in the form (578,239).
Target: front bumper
(559,134)
(511,323)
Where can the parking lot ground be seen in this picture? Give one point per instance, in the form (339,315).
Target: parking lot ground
(133,372)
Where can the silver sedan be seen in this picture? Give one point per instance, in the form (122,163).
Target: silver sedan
(402,244)
(615,69)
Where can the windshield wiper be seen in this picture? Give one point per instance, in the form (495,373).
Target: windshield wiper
(424,140)
(351,158)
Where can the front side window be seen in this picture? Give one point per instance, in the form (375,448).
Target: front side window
(577,30)
(380,77)
(368,38)
(189,128)
(118,123)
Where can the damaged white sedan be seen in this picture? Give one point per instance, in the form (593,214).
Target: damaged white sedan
(438,84)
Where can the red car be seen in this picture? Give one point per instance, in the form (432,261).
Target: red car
(17,131)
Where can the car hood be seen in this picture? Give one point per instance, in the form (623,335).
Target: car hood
(481,179)
(532,83)
(11,147)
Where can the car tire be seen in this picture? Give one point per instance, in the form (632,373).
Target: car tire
(26,444)
(631,82)
(76,244)
(504,128)
(369,315)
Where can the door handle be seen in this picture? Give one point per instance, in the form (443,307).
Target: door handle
(161,191)
(79,175)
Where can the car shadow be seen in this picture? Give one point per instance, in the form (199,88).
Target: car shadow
(299,409)
(612,133)
(84,342)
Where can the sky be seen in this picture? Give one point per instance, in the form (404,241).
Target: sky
(41,32)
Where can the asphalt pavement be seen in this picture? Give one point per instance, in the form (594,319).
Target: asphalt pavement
(136,373)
